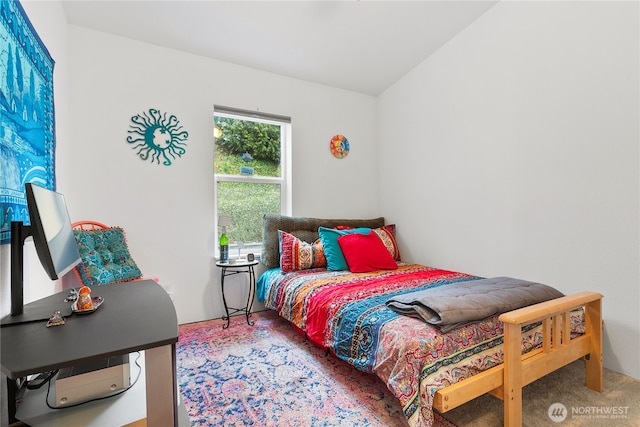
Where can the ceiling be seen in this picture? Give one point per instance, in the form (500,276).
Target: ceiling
(362,46)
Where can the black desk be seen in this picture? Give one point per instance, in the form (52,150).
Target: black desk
(134,316)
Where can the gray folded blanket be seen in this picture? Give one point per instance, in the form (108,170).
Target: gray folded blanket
(451,306)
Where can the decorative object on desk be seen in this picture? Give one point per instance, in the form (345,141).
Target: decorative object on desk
(72,295)
(224,221)
(84,299)
(96,302)
(157,137)
(27,136)
(250,257)
(56,319)
(339,146)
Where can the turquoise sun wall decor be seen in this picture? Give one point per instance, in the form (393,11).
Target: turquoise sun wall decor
(157,137)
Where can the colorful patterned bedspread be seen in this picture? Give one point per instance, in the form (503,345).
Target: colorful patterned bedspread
(346,313)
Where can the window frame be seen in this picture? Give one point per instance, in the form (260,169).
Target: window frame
(284,180)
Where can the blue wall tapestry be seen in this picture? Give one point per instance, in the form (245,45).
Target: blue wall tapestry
(27,133)
(157,137)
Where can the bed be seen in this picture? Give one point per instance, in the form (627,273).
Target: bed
(426,366)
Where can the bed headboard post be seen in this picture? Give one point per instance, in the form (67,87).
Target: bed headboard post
(303,228)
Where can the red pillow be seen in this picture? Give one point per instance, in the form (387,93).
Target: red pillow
(366,252)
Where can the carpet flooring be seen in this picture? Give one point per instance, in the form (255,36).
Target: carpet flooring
(269,375)
(617,406)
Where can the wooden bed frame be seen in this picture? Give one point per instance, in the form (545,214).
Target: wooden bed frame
(517,370)
(558,349)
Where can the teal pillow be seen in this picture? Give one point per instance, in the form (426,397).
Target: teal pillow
(105,257)
(331,248)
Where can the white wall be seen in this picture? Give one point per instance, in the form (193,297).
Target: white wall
(518,142)
(167,211)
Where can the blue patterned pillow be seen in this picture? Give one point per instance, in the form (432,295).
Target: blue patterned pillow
(105,257)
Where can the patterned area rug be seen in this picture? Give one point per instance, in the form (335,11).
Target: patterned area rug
(269,375)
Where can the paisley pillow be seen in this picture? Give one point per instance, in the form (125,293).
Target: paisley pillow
(387,234)
(296,254)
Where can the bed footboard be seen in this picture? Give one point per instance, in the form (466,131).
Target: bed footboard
(558,349)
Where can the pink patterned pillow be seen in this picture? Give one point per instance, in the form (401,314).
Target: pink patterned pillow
(387,234)
(296,254)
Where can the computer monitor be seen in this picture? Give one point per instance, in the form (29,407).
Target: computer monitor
(53,238)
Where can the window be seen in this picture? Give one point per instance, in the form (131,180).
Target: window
(252,170)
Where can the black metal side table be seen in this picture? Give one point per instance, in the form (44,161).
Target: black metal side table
(238,267)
